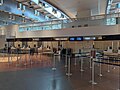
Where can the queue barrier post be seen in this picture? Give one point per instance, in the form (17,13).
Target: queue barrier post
(75,62)
(9,58)
(54,62)
(81,66)
(69,67)
(114,62)
(92,55)
(25,63)
(17,63)
(100,69)
(93,72)
(108,66)
(66,60)
(31,55)
(90,62)
(118,78)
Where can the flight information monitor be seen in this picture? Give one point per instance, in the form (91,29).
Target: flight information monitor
(79,38)
(76,39)
(89,38)
(72,39)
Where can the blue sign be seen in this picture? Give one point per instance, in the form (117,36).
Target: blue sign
(76,39)
(79,38)
(72,39)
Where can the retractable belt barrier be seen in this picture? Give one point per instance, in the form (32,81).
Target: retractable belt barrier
(105,61)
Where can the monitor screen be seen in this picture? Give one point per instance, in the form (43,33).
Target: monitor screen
(93,38)
(79,38)
(89,38)
(86,38)
(72,39)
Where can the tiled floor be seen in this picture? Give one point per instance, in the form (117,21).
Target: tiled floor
(45,78)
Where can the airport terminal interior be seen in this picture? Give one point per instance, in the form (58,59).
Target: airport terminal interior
(59,44)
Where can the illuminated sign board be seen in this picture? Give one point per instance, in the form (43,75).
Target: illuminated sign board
(72,39)
(61,39)
(76,39)
(89,38)
(79,38)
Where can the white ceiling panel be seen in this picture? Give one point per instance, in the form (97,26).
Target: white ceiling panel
(72,6)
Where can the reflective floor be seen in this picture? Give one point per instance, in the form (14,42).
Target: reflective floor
(37,78)
(24,62)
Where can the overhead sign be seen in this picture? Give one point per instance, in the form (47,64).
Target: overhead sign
(46,39)
(75,38)
(60,39)
(111,37)
(89,38)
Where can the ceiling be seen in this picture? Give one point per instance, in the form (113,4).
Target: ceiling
(72,6)
(28,11)
(69,7)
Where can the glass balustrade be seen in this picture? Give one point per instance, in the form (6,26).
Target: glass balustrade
(110,19)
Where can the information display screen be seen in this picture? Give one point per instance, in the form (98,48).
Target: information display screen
(72,39)
(89,38)
(79,38)
(76,39)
